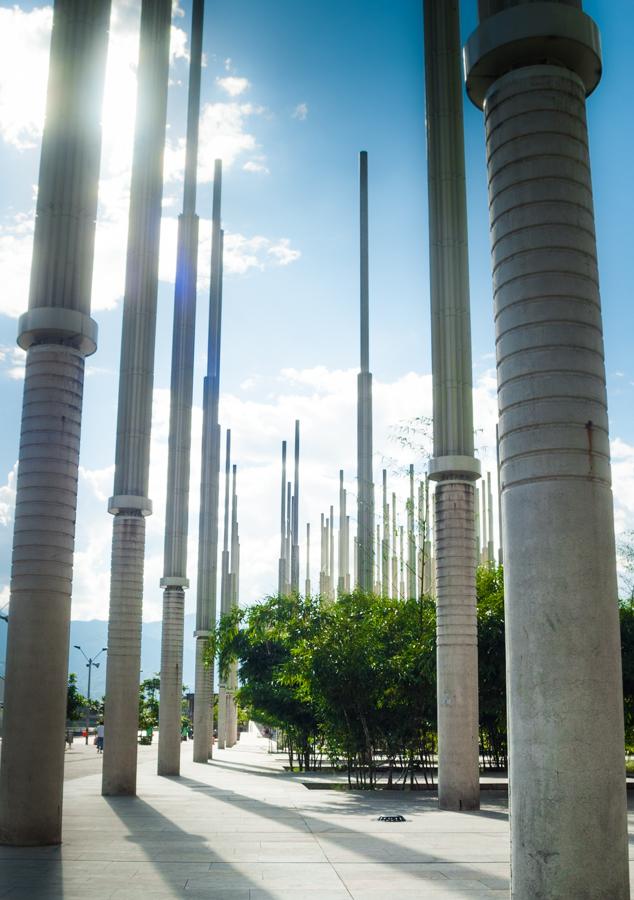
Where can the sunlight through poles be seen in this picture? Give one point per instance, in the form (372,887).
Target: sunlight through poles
(57,333)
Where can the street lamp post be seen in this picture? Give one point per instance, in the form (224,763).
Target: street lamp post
(90,662)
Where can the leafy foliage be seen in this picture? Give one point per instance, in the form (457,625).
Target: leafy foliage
(149,691)
(491,665)
(75,702)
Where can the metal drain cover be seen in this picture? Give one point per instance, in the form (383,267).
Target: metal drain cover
(391,819)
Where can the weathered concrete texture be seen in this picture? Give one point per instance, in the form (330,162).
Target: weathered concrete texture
(209,492)
(564,672)
(563,648)
(364,567)
(130,502)
(457,656)
(172,636)
(57,333)
(453,465)
(203,717)
(177,506)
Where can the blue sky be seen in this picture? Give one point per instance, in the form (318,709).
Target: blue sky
(291,92)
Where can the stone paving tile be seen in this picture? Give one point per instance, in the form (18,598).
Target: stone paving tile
(242,829)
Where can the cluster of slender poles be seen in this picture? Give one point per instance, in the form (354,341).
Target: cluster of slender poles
(530,67)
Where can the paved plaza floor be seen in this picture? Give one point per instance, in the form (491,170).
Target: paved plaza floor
(241,828)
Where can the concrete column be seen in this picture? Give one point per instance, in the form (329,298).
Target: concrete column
(295,519)
(453,466)
(365,478)
(130,504)
(411,539)
(281,577)
(57,333)
(234,579)
(377,561)
(174,579)
(331,554)
(209,491)
(225,595)
(490,543)
(289,539)
(530,67)
(394,549)
(385,549)
(341,556)
(307,590)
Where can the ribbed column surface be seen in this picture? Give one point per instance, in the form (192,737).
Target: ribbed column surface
(32,764)
(124,656)
(134,413)
(564,683)
(41,581)
(222,716)
(71,152)
(449,265)
(457,647)
(169,751)
(203,716)
(365,501)
(181,388)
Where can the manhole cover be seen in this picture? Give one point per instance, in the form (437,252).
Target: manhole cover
(391,819)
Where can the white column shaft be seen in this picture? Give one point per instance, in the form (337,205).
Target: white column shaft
(57,333)
(568,823)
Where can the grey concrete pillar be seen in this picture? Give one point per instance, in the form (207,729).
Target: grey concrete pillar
(453,466)
(411,539)
(234,580)
(307,589)
(365,478)
(174,579)
(385,548)
(57,333)
(225,594)
(130,503)
(530,67)
(295,519)
(281,577)
(209,491)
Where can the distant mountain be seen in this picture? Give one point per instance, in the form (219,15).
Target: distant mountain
(93,635)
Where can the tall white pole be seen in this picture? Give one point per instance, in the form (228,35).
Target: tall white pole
(281,577)
(307,589)
(531,67)
(365,479)
(295,518)
(130,503)
(225,594)
(57,334)
(411,539)
(209,492)
(453,466)
(174,580)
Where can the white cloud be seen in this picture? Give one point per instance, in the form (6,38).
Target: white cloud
(234,85)
(7,498)
(16,248)
(241,252)
(253,166)
(260,417)
(282,252)
(24,48)
(224,135)
(12,360)
(300,112)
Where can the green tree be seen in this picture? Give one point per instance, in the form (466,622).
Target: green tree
(491,665)
(75,702)
(149,691)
